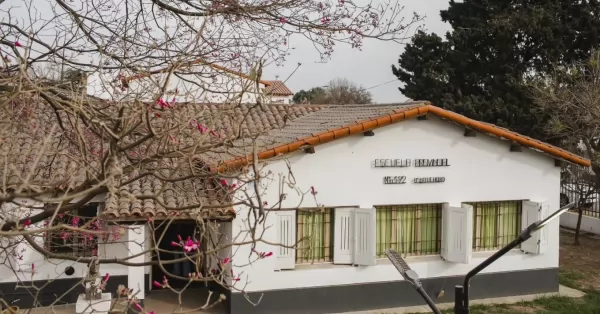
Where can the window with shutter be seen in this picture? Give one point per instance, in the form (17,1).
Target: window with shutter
(286,236)
(364,233)
(315,236)
(495,224)
(457,230)
(532,212)
(410,230)
(343,236)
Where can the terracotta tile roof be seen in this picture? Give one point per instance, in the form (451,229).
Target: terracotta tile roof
(207,191)
(335,122)
(278,88)
(59,165)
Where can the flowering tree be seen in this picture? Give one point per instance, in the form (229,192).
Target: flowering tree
(142,153)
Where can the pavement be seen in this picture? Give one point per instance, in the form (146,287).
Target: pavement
(162,302)
(562,291)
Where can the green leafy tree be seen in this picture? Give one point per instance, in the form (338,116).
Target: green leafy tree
(481,67)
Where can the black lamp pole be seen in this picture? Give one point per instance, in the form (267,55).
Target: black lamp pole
(461,293)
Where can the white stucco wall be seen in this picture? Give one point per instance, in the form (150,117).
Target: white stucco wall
(14,270)
(481,169)
(281,99)
(588,224)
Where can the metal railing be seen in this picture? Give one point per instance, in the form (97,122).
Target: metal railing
(589,200)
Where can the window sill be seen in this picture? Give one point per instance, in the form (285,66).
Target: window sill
(409,259)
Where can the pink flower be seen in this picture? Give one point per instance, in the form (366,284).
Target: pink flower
(64,235)
(173,243)
(151,312)
(312,190)
(157,284)
(94,252)
(282,20)
(18,44)
(265,203)
(139,307)
(224,182)
(27,222)
(163,104)
(75,221)
(106,277)
(190,245)
(226,261)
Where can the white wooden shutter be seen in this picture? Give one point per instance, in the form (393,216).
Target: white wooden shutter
(532,212)
(364,232)
(286,235)
(343,236)
(457,233)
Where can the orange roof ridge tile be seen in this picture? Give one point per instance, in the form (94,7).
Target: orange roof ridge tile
(402,114)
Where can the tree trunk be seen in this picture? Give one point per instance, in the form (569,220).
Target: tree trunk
(578,227)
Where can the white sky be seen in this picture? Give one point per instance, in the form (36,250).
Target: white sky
(370,67)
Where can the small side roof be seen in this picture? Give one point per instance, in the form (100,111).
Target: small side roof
(336,122)
(278,88)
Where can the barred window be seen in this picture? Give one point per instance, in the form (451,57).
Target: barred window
(495,224)
(315,236)
(409,229)
(68,242)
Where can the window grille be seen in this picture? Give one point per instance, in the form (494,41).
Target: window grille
(315,236)
(409,229)
(495,224)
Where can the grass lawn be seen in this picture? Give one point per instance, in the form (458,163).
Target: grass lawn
(579,269)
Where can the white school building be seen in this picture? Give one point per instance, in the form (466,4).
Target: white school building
(340,185)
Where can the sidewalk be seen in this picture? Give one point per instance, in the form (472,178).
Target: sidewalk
(562,291)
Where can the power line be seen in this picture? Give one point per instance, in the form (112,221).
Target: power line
(394,80)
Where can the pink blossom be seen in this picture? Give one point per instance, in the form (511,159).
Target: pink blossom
(139,307)
(75,221)
(65,235)
(190,245)
(94,252)
(226,261)
(224,182)
(18,44)
(180,239)
(282,20)
(265,203)
(27,222)
(173,243)
(106,277)
(151,312)
(312,190)
(157,284)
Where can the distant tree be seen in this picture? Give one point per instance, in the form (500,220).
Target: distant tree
(571,98)
(310,96)
(339,91)
(481,67)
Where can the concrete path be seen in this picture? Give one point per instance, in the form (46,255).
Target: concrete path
(562,291)
(164,303)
